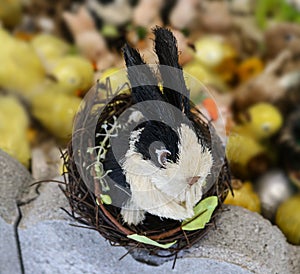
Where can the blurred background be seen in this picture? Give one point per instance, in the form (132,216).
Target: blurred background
(245,52)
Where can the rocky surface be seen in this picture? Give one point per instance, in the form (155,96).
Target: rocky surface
(15,183)
(243,242)
(47,206)
(57,247)
(9,252)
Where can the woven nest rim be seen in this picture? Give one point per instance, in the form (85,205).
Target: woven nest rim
(87,208)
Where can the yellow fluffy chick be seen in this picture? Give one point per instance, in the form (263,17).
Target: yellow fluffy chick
(245,150)
(49,48)
(249,68)
(245,155)
(244,196)
(55,110)
(13,129)
(74,74)
(260,121)
(218,55)
(197,75)
(116,76)
(212,51)
(10,12)
(21,69)
(288,219)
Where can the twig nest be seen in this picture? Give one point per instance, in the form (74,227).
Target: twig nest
(146,168)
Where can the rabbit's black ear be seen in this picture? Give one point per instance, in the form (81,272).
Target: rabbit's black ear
(173,80)
(144,84)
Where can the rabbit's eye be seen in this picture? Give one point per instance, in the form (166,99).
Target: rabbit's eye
(162,156)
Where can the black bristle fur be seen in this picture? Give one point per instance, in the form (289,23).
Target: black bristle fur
(167,52)
(143,82)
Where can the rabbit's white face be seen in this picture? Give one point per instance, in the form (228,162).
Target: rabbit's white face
(165,185)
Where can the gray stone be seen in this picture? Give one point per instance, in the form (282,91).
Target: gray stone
(247,239)
(56,247)
(242,238)
(295,259)
(47,206)
(243,242)
(9,256)
(14,186)
(45,160)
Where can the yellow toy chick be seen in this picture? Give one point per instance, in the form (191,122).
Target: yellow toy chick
(25,66)
(249,68)
(197,75)
(10,12)
(55,110)
(244,196)
(21,70)
(74,74)
(14,124)
(246,148)
(260,121)
(288,219)
(216,54)
(116,76)
(49,48)
(211,51)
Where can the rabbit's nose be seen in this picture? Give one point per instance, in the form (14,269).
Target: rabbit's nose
(193,180)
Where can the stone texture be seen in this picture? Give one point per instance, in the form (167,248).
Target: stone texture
(56,247)
(9,256)
(246,239)
(243,242)
(47,206)
(295,259)
(45,160)
(14,186)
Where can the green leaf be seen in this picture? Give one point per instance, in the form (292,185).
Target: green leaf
(146,240)
(105,199)
(202,214)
